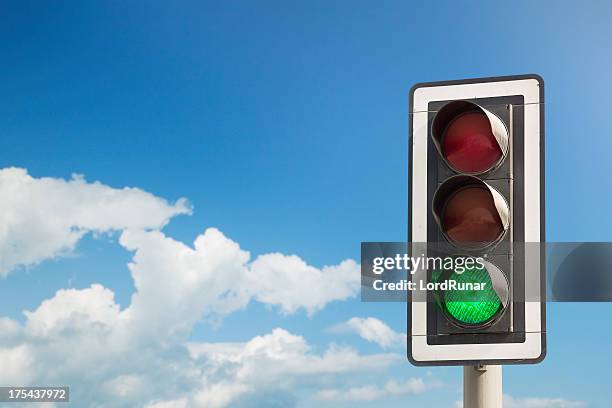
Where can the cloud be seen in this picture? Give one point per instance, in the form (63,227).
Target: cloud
(289,353)
(278,362)
(177,285)
(90,350)
(178,403)
(41,218)
(83,337)
(373,330)
(17,363)
(411,386)
(139,355)
(511,402)
(71,309)
(289,283)
(215,277)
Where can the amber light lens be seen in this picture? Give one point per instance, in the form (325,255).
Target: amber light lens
(470,217)
(469,144)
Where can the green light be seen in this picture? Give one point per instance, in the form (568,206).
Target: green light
(474,301)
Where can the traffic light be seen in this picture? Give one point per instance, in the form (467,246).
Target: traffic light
(477,196)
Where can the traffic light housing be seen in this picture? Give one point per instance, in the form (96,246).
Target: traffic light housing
(477,191)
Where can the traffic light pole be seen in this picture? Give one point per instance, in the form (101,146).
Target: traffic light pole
(482,386)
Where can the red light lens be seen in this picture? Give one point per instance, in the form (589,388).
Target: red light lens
(470,217)
(469,144)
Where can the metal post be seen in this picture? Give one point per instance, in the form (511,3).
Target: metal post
(482,386)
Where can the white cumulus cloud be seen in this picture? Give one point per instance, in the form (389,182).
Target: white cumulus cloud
(373,330)
(536,402)
(512,402)
(41,218)
(138,355)
(410,386)
(291,284)
(83,337)
(215,277)
(275,363)
(71,308)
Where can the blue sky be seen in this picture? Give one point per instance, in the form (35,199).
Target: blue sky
(285,126)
